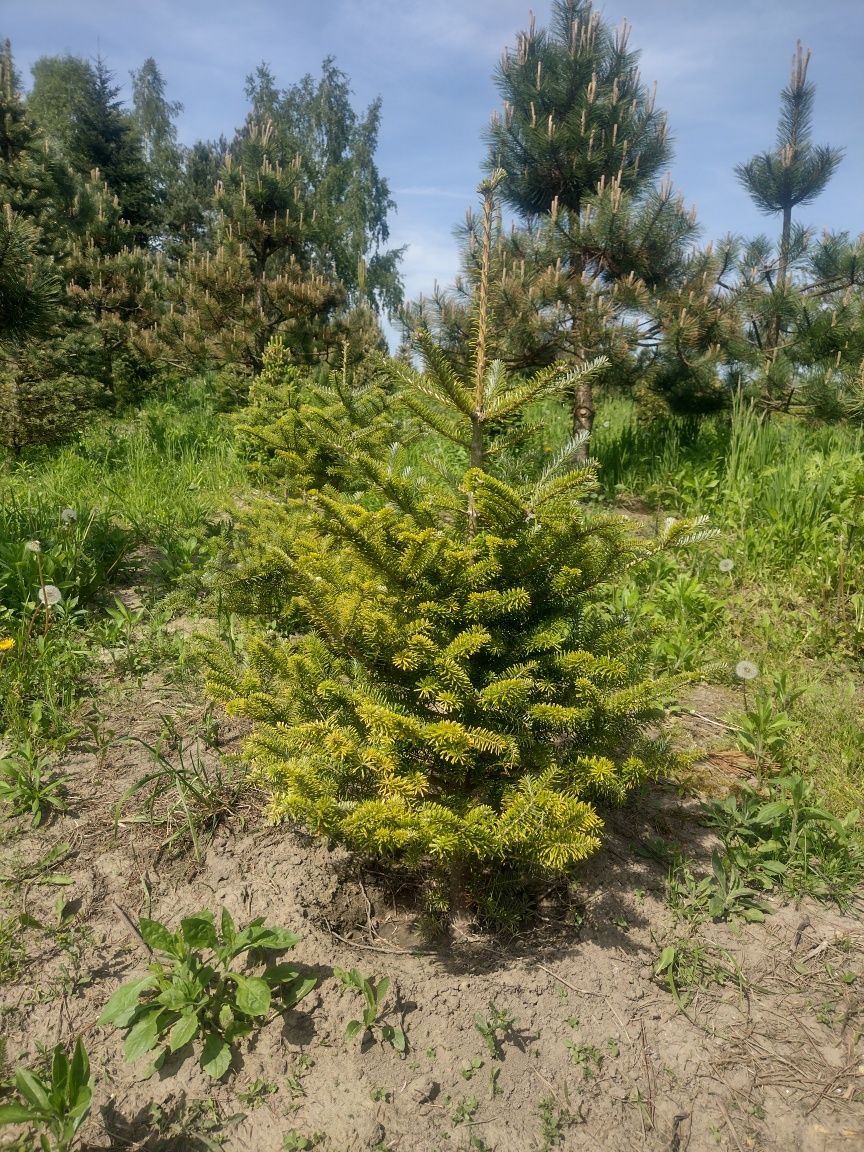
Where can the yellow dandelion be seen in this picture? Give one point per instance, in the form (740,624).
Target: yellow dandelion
(6,644)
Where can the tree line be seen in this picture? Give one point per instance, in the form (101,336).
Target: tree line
(128,260)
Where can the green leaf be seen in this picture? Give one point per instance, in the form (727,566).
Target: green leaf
(142,1036)
(157,937)
(183,1031)
(754,915)
(216,1056)
(124,1002)
(198,930)
(228,929)
(398,1039)
(176,997)
(253,996)
(59,1070)
(381,990)
(353,1028)
(666,961)
(79,1070)
(768,813)
(278,974)
(78,1112)
(16,1114)
(292,994)
(32,1089)
(226,1017)
(277,939)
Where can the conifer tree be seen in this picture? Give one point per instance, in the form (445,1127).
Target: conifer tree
(446,683)
(796,171)
(583,144)
(38,402)
(799,298)
(259,280)
(77,105)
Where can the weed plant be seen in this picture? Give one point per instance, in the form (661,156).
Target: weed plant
(192,991)
(53,1108)
(374,995)
(781,587)
(187,796)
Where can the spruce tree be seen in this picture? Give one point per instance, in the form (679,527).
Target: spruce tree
(40,401)
(446,683)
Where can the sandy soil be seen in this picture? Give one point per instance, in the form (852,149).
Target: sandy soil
(767,1054)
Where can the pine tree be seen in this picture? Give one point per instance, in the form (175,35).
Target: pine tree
(446,683)
(259,281)
(583,145)
(796,172)
(799,297)
(29,285)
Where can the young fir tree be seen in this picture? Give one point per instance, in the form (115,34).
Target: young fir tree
(451,688)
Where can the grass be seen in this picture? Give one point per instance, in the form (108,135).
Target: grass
(134,500)
(788,501)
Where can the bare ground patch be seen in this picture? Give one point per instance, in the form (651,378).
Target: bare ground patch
(765,1053)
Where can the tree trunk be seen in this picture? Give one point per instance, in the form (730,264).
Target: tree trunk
(782,274)
(583,413)
(458,896)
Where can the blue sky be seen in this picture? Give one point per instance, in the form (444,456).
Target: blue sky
(719,69)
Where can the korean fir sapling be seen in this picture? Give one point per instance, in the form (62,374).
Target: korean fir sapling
(454,689)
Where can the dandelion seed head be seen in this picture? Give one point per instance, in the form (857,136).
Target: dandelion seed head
(726,565)
(746,670)
(32,546)
(49,595)
(68,516)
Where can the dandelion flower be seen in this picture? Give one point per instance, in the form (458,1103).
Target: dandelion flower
(6,644)
(32,546)
(49,595)
(726,565)
(746,670)
(68,516)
